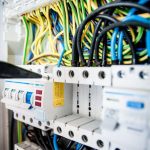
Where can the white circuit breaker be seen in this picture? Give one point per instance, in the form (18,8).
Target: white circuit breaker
(26,145)
(94,112)
(126,115)
(37,101)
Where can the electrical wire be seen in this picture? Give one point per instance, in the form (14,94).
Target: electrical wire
(131,18)
(95,13)
(51,33)
(120,45)
(120,24)
(90,61)
(55,142)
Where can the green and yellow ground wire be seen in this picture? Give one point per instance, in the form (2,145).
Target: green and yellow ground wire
(49,42)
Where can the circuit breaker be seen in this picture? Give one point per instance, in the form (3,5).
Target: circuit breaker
(37,101)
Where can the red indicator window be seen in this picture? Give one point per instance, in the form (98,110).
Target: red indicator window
(39,98)
(39,92)
(38,104)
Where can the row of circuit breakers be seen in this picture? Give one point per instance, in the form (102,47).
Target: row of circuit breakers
(106,108)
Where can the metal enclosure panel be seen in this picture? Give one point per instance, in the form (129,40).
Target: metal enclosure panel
(132,77)
(42,108)
(95,100)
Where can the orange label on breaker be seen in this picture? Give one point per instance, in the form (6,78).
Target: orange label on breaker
(58,94)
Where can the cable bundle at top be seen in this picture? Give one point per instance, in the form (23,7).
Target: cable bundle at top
(88,33)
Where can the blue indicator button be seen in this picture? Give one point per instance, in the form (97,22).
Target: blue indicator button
(28,97)
(135,105)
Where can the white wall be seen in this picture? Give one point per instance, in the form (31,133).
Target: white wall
(11,50)
(3,112)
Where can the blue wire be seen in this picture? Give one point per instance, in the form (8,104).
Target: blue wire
(139,19)
(148,42)
(120,44)
(61,57)
(140,49)
(33,31)
(133,10)
(78,146)
(55,142)
(113,41)
(58,27)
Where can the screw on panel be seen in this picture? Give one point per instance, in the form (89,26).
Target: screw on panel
(48,123)
(100,143)
(143,75)
(48,77)
(85,74)
(59,73)
(59,130)
(23,117)
(84,138)
(121,74)
(71,134)
(101,75)
(71,73)
(46,69)
(31,120)
(39,123)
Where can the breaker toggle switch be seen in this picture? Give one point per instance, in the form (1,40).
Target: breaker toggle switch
(13,94)
(6,92)
(21,95)
(29,96)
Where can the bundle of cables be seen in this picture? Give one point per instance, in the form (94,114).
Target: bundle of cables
(123,47)
(88,33)
(47,140)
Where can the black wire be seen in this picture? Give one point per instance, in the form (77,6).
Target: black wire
(104,52)
(90,61)
(92,15)
(104,56)
(70,145)
(29,133)
(75,55)
(37,139)
(112,19)
(31,136)
(42,140)
(131,45)
(11,137)
(119,24)
(35,135)
(50,141)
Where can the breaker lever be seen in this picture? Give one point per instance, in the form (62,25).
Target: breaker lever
(11,71)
